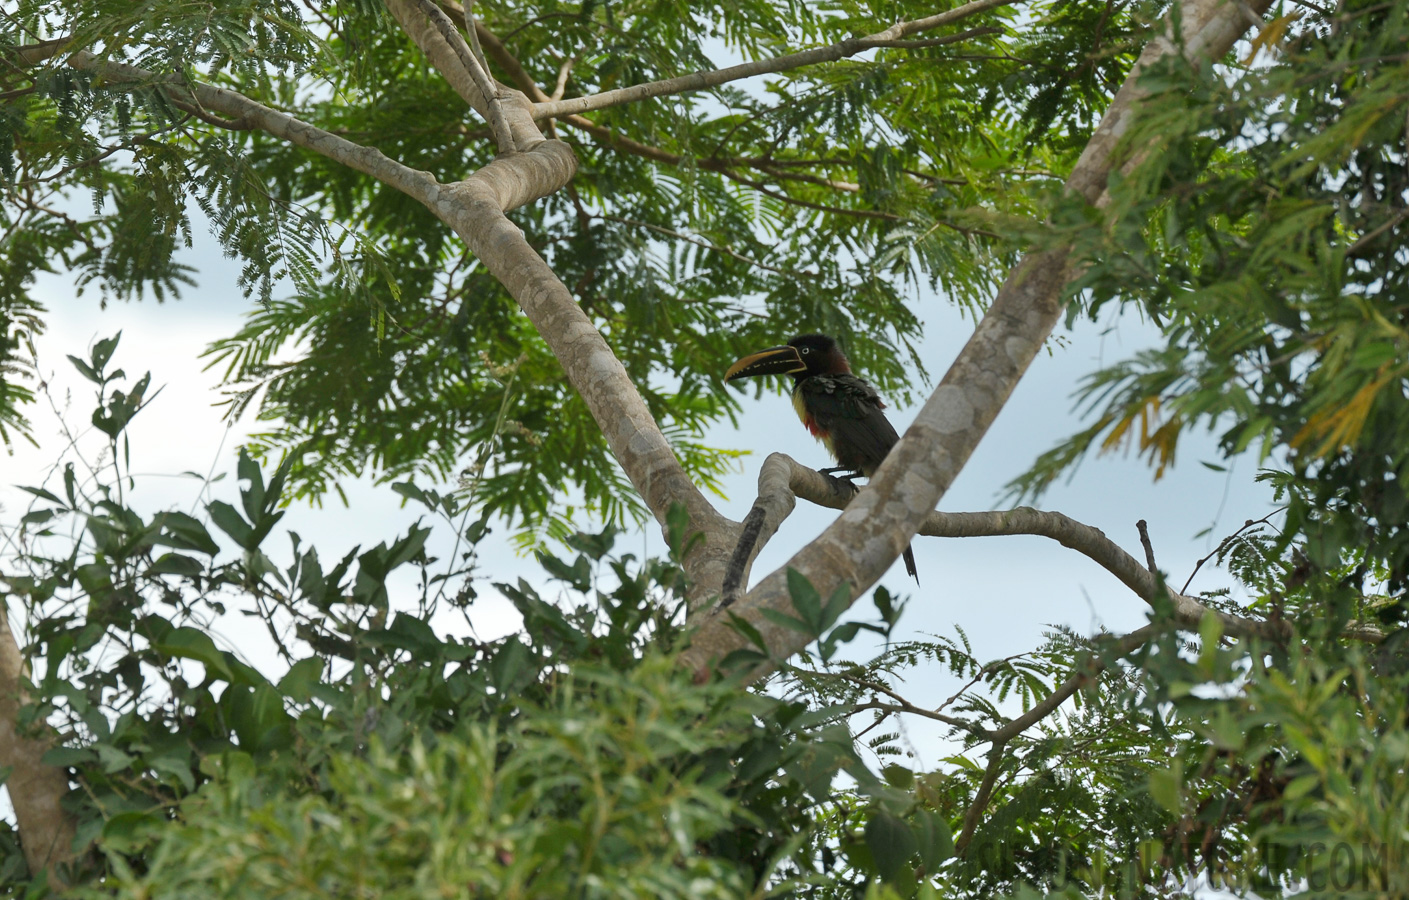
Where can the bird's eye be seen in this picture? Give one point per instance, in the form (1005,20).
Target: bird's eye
(805,349)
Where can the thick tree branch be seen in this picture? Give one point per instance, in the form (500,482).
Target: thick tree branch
(974,814)
(36,790)
(725,166)
(447,61)
(366,160)
(475,208)
(700,80)
(879,523)
(781,480)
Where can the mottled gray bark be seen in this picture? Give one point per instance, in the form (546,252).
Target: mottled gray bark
(782,481)
(475,208)
(46,830)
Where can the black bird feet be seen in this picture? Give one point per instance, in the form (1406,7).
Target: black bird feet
(849,479)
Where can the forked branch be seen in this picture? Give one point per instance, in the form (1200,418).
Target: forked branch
(1111,649)
(473,64)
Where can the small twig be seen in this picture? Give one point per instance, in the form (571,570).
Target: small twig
(1224,543)
(1356,248)
(701,80)
(195,110)
(1144,530)
(977,678)
(766,190)
(479,72)
(564,71)
(914,710)
(1092,668)
(903,705)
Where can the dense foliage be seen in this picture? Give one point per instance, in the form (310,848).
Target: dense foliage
(1262,225)
(1258,221)
(694,224)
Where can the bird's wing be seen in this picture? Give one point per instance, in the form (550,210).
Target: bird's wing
(849,410)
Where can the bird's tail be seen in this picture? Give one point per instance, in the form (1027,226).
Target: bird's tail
(909,556)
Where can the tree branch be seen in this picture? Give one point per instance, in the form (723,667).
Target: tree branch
(981,798)
(475,208)
(905,706)
(444,56)
(1143,527)
(698,242)
(781,480)
(503,137)
(700,80)
(878,524)
(240,108)
(36,790)
(909,708)
(1000,737)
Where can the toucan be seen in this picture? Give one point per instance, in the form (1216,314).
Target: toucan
(841,410)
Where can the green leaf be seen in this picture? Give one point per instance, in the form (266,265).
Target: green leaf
(892,844)
(747,629)
(184,532)
(838,603)
(898,776)
(130,832)
(784,620)
(257,716)
(935,839)
(410,491)
(228,520)
(578,575)
(251,496)
(84,369)
(38,517)
(414,634)
(69,756)
(41,493)
(302,678)
(103,351)
(1166,787)
(190,643)
(806,601)
(112,759)
(175,564)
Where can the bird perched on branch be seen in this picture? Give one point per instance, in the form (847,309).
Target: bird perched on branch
(840,409)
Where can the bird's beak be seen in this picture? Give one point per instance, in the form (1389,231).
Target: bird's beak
(773,361)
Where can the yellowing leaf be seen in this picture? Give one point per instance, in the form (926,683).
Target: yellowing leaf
(1270,35)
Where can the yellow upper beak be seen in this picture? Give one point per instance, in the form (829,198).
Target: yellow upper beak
(773,361)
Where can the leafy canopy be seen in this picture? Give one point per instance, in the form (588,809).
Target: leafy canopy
(698,227)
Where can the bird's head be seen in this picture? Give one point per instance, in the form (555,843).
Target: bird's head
(801,357)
